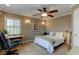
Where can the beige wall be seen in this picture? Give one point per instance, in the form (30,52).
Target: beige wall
(26,28)
(59,24)
(1,22)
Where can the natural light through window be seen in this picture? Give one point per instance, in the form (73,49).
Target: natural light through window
(13,26)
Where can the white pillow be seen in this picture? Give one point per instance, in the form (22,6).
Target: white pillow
(59,35)
(52,34)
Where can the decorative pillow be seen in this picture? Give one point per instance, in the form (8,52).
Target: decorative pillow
(58,34)
(52,33)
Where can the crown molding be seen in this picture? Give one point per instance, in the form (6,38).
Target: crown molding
(62,15)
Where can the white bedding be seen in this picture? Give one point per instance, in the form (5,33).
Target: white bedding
(48,42)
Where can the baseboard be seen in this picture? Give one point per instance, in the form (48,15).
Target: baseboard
(28,41)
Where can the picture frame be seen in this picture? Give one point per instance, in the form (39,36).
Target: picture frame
(35,27)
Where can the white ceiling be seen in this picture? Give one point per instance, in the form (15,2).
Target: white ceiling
(31,9)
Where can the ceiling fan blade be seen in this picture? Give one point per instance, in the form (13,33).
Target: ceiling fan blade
(36,14)
(44,10)
(53,11)
(40,10)
(50,15)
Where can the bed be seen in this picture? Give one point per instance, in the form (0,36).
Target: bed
(49,42)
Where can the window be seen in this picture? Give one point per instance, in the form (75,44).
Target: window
(13,26)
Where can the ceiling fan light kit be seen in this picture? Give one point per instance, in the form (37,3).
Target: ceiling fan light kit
(45,13)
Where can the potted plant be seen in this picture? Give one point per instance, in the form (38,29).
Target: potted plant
(5,32)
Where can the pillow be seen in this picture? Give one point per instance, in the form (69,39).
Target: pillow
(59,34)
(52,34)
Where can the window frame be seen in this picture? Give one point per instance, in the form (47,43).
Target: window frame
(19,27)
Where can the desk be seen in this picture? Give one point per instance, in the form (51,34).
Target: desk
(15,37)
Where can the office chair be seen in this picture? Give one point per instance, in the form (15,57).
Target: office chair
(5,45)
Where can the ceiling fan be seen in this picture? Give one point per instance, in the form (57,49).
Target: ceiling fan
(44,12)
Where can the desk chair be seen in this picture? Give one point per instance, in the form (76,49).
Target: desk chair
(5,45)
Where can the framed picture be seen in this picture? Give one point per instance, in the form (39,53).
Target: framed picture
(36,27)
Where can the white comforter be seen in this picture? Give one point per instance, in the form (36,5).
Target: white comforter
(48,42)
